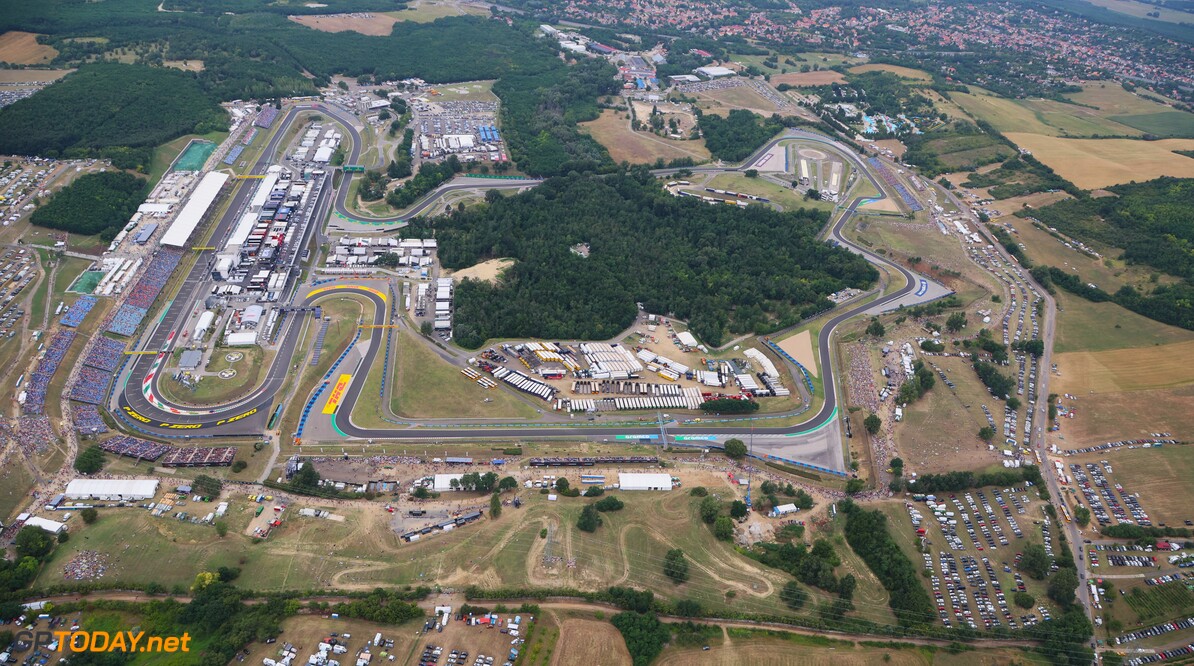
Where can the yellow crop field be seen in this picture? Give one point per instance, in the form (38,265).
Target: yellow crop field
(1095,163)
(21,48)
(904,72)
(1126,369)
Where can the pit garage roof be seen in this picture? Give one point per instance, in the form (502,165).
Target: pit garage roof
(125,488)
(192,213)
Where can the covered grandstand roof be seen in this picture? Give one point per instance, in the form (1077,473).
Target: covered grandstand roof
(189,217)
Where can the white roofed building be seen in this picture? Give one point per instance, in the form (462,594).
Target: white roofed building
(111,489)
(644,481)
(192,213)
(51,526)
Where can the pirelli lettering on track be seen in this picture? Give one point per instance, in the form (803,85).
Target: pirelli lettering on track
(129,410)
(180,426)
(237,417)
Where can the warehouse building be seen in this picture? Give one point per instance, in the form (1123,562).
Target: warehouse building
(645,481)
(714,72)
(111,489)
(443,482)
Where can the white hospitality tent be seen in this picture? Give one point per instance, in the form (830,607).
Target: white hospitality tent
(645,481)
(111,489)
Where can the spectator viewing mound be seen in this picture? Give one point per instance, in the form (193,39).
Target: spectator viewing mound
(109,110)
(95,203)
(724,270)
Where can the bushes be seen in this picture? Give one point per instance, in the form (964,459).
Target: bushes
(607,504)
(954,481)
(729,406)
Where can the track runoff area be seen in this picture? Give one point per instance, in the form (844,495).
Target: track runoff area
(811,443)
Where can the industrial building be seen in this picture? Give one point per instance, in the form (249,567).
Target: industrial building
(114,490)
(443,482)
(192,213)
(644,481)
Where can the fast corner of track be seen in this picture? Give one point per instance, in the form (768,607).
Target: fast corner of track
(322,405)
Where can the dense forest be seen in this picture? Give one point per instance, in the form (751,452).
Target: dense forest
(725,270)
(262,55)
(1152,221)
(107,105)
(95,203)
(734,137)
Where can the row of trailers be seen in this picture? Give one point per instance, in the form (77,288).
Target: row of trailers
(446,526)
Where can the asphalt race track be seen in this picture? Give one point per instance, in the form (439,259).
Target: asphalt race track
(247,416)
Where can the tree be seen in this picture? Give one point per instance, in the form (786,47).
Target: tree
(89,515)
(688,608)
(675,566)
(306,478)
(221,528)
(723,528)
(1024,600)
(207,485)
(793,595)
(751,173)
(709,508)
(1082,516)
(738,509)
(955,322)
(507,483)
(422,493)
(875,328)
(735,449)
(1062,585)
(492,196)
(1013,403)
(33,542)
(872,423)
(1034,561)
(986,433)
(594,491)
(897,466)
(589,520)
(855,486)
(228,574)
(495,506)
(202,580)
(63,536)
(90,460)
(561,484)
(846,585)
(239,466)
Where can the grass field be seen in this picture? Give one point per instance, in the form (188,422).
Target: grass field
(1110,416)
(741,97)
(29,75)
(216,390)
(426,11)
(612,130)
(822,77)
(1161,366)
(589,642)
(786,197)
(964,151)
(376,24)
(185,65)
(829,59)
(165,154)
(1095,163)
(471,91)
(426,386)
(1086,326)
(15,484)
(21,48)
(1045,117)
(1141,10)
(902,72)
(1110,274)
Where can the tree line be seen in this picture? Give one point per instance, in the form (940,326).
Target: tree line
(737,135)
(723,270)
(955,481)
(1171,304)
(867,534)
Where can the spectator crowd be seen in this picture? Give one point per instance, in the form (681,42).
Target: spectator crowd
(145,292)
(77,312)
(39,381)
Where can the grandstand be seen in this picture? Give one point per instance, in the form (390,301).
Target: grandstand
(145,292)
(105,354)
(77,312)
(39,381)
(87,420)
(891,180)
